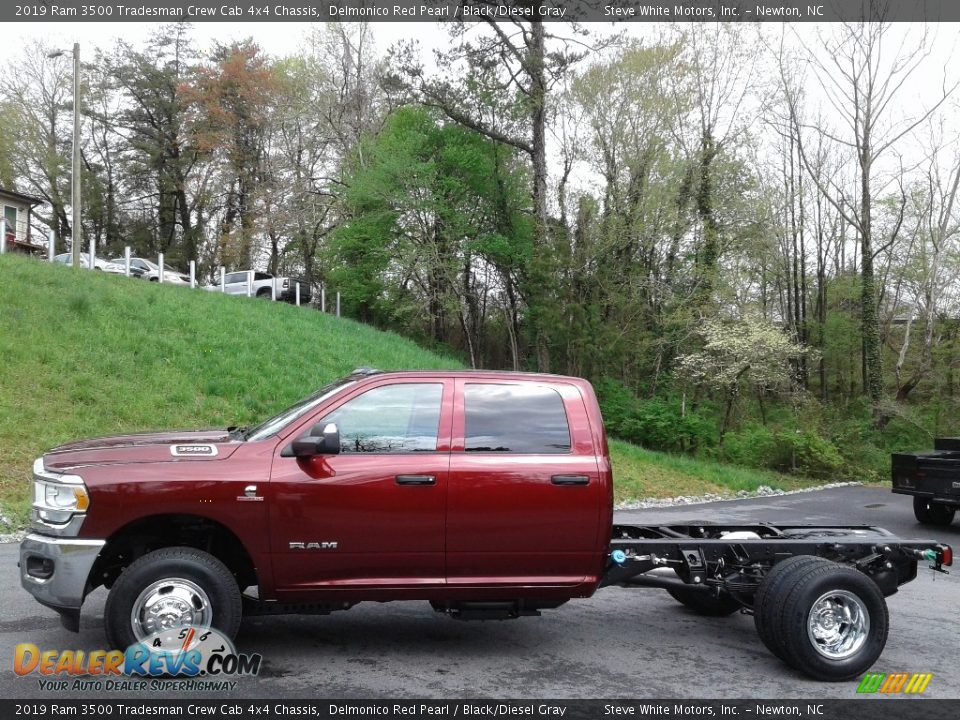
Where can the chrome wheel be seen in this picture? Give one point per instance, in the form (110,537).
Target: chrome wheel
(168,604)
(838,624)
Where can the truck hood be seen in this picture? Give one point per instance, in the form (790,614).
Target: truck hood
(169,446)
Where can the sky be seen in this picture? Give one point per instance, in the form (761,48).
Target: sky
(284,38)
(276,38)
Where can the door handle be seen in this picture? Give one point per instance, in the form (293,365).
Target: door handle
(570,480)
(416,480)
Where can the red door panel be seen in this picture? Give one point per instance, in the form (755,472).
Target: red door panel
(523,517)
(373,516)
(385,533)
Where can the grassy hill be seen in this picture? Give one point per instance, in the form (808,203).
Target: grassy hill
(85,354)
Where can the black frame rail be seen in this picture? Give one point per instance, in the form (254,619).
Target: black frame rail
(735,558)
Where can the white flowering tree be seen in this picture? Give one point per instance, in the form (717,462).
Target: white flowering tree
(743,352)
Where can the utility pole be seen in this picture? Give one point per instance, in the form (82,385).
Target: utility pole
(76,235)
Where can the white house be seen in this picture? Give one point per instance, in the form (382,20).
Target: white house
(18,212)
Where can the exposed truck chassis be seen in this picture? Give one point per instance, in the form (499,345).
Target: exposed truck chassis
(816,592)
(718,556)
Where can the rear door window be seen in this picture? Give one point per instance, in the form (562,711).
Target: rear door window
(527,419)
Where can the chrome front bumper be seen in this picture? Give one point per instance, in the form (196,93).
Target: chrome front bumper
(55,571)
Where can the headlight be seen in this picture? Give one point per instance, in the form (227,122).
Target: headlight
(57,498)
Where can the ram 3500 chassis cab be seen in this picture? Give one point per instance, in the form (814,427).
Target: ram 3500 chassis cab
(487,494)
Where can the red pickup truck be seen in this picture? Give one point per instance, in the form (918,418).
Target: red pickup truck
(487,494)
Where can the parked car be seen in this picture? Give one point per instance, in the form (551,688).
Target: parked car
(148,270)
(135,271)
(98,263)
(261,284)
(487,494)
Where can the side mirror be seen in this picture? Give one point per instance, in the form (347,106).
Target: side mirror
(311,446)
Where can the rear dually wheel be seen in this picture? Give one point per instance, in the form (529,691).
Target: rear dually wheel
(824,619)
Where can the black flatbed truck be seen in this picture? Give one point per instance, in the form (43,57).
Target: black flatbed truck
(932,477)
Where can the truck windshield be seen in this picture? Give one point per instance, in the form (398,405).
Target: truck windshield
(280,421)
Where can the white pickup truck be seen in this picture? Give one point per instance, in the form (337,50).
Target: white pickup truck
(261,284)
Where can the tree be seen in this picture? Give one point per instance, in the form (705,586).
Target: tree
(934,229)
(505,96)
(433,220)
(8,151)
(160,161)
(747,351)
(37,93)
(860,82)
(622,263)
(104,162)
(714,91)
(233,102)
(328,100)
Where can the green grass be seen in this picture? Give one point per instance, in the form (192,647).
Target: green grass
(85,354)
(642,473)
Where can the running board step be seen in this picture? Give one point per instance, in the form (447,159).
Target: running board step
(253,606)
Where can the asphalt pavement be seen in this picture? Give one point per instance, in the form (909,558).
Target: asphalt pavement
(622,643)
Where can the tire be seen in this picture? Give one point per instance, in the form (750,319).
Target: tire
(191,573)
(264,294)
(765,611)
(832,620)
(931,513)
(705,602)
(155,279)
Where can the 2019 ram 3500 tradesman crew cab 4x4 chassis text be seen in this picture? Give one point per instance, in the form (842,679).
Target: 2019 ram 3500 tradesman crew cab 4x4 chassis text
(487,494)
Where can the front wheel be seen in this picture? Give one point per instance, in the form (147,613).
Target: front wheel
(928,512)
(831,620)
(168,589)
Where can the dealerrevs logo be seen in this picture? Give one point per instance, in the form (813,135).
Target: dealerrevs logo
(186,653)
(894,683)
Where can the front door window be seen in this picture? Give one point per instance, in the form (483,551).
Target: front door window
(390,419)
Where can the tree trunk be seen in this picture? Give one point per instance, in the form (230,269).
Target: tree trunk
(821,309)
(705,210)
(726,416)
(538,118)
(802,301)
(186,223)
(868,291)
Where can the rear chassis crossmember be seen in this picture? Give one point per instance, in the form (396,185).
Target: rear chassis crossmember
(735,558)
